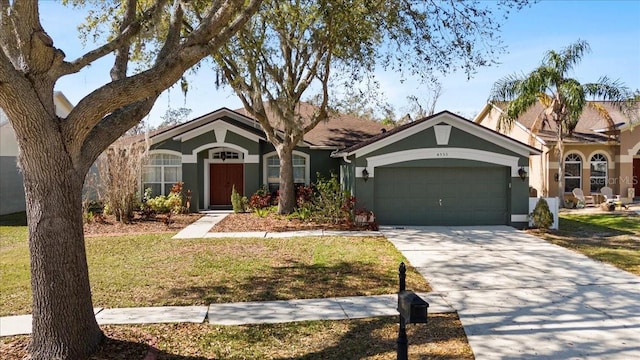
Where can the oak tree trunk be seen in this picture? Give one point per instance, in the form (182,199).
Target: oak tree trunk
(64,325)
(287,193)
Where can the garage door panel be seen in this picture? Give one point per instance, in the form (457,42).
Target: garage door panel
(441,196)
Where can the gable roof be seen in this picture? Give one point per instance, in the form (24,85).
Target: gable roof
(591,128)
(178,130)
(411,128)
(338,131)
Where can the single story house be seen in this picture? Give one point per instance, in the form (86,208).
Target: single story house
(440,170)
(594,155)
(11,183)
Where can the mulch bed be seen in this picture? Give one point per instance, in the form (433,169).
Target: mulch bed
(272,223)
(108,226)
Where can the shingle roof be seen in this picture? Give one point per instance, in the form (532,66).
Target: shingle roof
(585,131)
(339,131)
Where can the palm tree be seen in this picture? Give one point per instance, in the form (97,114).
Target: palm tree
(562,98)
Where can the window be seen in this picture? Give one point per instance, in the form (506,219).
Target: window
(599,168)
(162,171)
(572,172)
(224,155)
(272,172)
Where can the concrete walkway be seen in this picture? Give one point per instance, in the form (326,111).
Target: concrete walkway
(242,313)
(519,297)
(201,229)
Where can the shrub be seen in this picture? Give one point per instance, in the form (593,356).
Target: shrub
(236,201)
(260,199)
(263,211)
(304,195)
(331,203)
(541,216)
(304,212)
(164,204)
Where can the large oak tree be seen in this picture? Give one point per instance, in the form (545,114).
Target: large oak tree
(56,153)
(320,48)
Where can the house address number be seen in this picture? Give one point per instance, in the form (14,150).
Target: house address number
(442,154)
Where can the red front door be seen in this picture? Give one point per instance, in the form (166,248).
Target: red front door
(636,176)
(222,178)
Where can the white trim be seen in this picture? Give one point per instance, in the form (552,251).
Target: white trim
(207,175)
(160,152)
(165,151)
(193,157)
(610,163)
(307,166)
(239,160)
(443,153)
(220,133)
(519,218)
(212,116)
(442,134)
(634,150)
(220,128)
(459,123)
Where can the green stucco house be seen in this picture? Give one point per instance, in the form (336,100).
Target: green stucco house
(440,170)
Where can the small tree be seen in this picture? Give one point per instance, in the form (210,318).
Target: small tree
(541,216)
(119,172)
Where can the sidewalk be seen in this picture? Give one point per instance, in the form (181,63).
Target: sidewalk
(243,313)
(201,227)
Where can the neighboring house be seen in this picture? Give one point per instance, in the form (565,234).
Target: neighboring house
(594,156)
(11,184)
(441,170)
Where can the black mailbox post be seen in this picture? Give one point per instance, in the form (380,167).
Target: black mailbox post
(412,309)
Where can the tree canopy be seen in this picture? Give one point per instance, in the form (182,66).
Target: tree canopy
(323,50)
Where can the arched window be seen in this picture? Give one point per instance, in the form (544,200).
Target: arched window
(161,172)
(572,172)
(599,167)
(272,172)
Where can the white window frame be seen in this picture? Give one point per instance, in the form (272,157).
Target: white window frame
(265,172)
(162,167)
(602,159)
(573,161)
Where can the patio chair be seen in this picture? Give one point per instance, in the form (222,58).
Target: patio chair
(607,192)
(585,200)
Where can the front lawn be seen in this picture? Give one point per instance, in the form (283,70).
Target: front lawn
(154,270)
(611,238)
(440,339)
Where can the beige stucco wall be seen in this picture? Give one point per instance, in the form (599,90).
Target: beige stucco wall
(538,176)
(586,152)
(629,148)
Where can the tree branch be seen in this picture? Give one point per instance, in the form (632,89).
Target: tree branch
(167,70)
(109,130)
(124,38)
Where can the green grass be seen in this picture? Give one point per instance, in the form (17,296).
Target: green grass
(442,338)
(154,270)
(611,238)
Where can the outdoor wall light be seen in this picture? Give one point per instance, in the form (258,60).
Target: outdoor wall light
(522,173)
(365,174)
(223,155)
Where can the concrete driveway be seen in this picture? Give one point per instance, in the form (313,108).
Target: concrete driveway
(519,297)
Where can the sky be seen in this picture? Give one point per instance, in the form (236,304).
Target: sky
(611,27)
